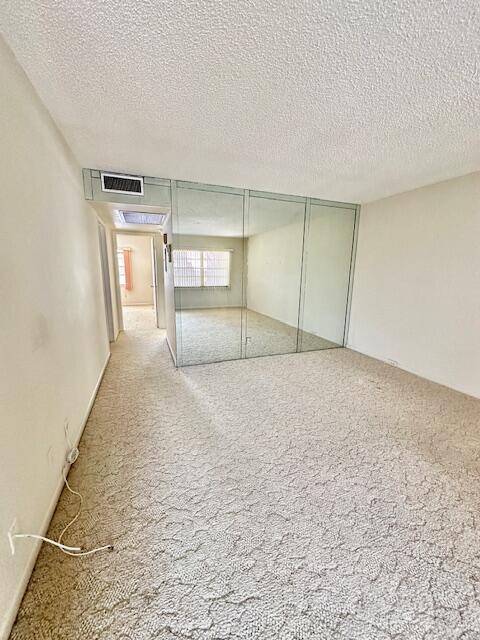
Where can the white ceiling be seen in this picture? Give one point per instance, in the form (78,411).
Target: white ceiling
(336,99)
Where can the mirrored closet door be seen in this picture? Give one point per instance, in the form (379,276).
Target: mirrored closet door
(274,230)
(257,273)
(208,272)
(329,235)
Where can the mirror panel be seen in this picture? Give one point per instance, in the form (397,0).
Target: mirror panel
(208,271)
(327,256)
(273,272)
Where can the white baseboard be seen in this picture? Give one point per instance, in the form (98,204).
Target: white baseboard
(210,306)
(398,365)
(389,361)
(11,614)
(137,304)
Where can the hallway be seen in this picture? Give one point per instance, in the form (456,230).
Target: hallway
(317,514)
(138,318)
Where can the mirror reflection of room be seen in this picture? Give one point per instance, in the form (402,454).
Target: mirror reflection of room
(208,272)
(274,243)
(258,274)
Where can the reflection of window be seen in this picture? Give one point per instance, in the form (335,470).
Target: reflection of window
(194,268)
(121,267)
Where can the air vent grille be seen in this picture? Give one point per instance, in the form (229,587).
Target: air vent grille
(139,217)
(118,183)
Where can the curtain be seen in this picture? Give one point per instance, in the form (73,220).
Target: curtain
(127,260)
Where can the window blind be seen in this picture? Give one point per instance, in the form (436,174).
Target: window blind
(201,268)
(121,267)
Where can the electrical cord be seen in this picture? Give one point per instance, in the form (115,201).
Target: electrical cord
(39,537)
(72,456)
(77,552)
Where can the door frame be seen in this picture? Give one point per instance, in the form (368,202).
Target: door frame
(154,236)
(107,290)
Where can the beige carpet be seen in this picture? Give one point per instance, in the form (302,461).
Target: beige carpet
(139,317)
(215,335)
(310,496)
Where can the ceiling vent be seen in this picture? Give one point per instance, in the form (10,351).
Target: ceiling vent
(119,183)
(140,217)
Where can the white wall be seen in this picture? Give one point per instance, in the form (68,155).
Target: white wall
(111,252)
(213,297)
(160,282)
(53,338)
(274,263)
(416,295)
(142,273)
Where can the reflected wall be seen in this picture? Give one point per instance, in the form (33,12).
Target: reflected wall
(327,264)
(274,233)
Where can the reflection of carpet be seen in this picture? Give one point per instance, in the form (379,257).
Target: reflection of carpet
(316,496)
(212,335)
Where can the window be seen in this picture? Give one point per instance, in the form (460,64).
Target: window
(121,267)
(216,268)
(124,259)
(195,268)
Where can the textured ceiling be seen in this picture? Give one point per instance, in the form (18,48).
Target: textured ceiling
(341,100)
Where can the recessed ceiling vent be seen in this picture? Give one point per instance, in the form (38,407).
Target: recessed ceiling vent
(119,183)
(139,217)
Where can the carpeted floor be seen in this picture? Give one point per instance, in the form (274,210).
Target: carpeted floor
(138,317)
(214,335)
(309,496)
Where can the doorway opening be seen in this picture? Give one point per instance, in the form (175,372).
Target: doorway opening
(136,263)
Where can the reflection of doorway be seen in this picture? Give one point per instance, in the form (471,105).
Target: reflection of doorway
(136,271)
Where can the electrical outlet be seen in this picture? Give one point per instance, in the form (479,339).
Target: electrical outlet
(11,532)
(394,363)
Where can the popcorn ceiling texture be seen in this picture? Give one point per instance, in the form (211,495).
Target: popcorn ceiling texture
(317,496)
(350,101)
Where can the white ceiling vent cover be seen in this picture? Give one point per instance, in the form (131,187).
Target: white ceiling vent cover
(139,217)
(120,183)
